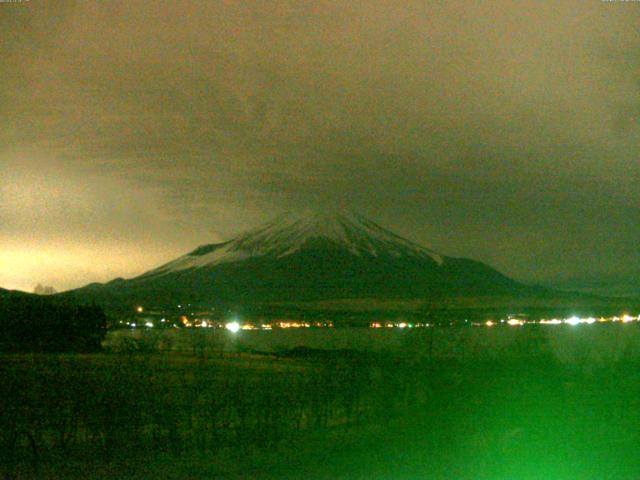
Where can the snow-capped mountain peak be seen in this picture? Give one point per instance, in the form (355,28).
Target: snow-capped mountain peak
(289,234)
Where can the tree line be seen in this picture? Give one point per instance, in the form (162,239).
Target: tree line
(32,323)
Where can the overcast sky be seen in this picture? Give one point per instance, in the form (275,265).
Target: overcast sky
(505,131)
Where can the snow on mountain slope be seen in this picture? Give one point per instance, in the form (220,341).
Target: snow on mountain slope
(288,234)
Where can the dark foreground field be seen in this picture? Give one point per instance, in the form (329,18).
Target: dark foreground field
(318,415)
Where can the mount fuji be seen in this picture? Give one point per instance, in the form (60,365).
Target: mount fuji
(308,258)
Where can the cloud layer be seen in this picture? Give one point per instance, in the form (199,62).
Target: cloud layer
(504,131)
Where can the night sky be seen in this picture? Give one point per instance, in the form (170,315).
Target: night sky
(134,131)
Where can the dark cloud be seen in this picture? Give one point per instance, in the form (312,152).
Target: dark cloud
(504,131)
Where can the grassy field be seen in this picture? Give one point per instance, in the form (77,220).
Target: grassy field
(315,415)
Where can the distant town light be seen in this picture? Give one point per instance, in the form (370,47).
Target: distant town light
(572,321)
(553,321)
(233,327)
(489,323)
(139,309)
(148,325)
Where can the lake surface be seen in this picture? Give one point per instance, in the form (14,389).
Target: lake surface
(596,344)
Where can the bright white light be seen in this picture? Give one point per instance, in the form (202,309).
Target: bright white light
(402,325)
(627,318)
(149,325)
(489,323)
(572,321)
(233,326)
(139,309)
(590,320)
(133,325)
(514,322)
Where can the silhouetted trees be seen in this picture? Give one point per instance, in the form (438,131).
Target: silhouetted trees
(44,290)
(30,323)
